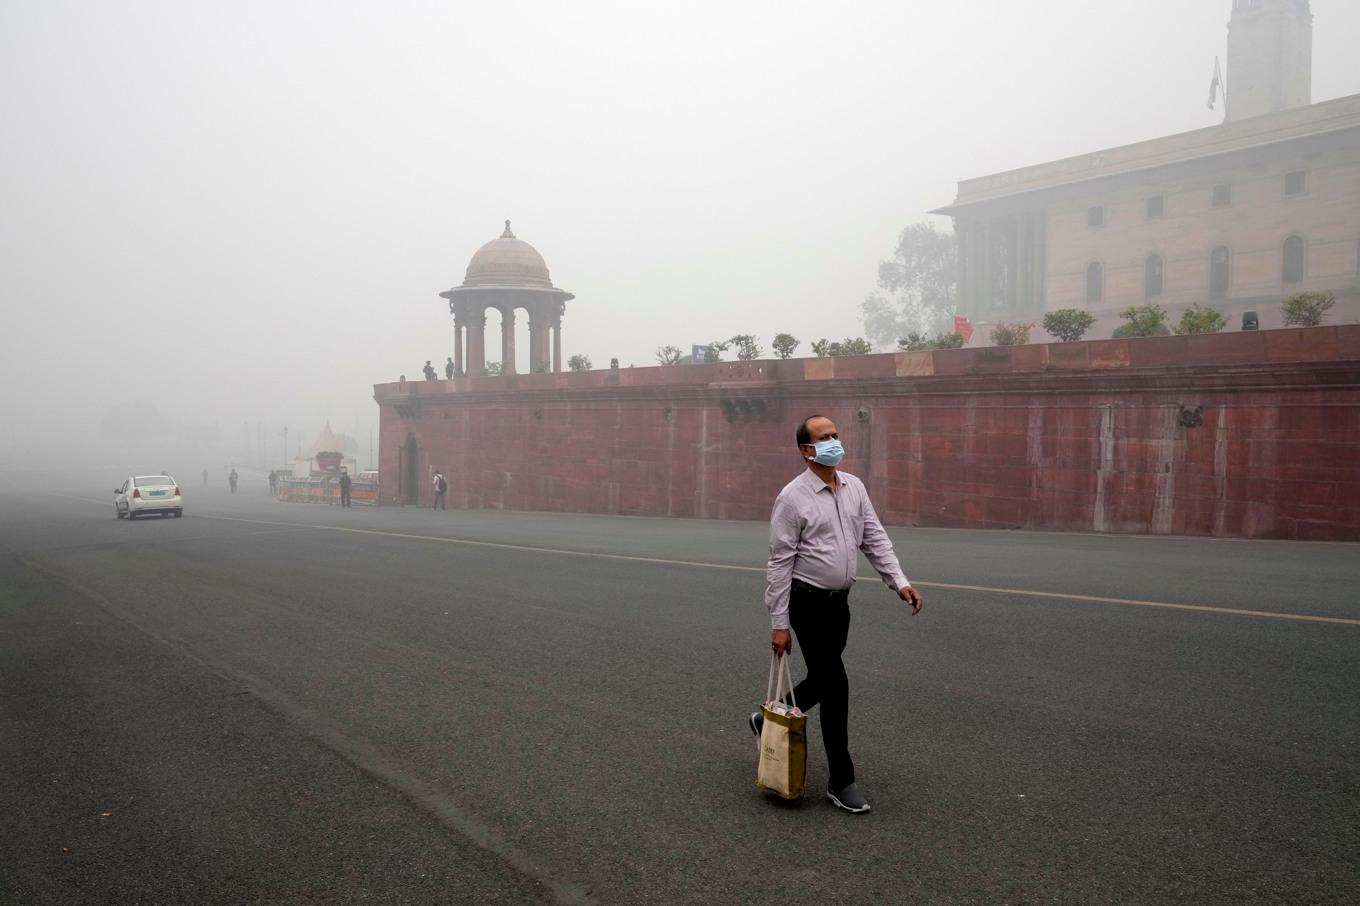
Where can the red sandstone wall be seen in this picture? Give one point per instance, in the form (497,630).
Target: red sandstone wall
(1244,434)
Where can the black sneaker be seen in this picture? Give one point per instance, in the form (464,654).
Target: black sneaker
(849,798)
(756,722)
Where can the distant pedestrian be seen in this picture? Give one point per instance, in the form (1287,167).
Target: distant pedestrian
(429,371)
(273,483)
(205,478)
(231,479)
(345,483)
(441,488)
(820,520)
(448,368)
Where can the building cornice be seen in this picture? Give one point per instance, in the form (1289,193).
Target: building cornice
(1314,120)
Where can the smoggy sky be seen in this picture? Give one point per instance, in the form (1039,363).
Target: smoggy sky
(245,211)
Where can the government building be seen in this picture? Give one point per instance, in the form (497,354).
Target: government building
(1237,217)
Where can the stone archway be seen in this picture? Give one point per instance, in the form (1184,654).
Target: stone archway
(409,481)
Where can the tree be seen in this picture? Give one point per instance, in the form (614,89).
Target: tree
(713,352)
(1068,324)
(784,344)
(1144,321)
(747,347)
(849,346)
(919,342)
(920,280)
(669,355)
(1200,320)
(1307,309)
(579,362)
(1011,334)
(492,368)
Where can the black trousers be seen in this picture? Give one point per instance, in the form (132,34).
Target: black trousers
(821,621)
(344,496)
(439,500)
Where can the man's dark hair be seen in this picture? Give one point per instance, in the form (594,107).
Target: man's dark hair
(804,435)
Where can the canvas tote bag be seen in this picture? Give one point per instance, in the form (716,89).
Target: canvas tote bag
(782,768)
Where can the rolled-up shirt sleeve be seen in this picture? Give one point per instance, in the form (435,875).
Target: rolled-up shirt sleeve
(779,570)
(878,550)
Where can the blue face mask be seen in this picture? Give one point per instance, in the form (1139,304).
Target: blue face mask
(829,453)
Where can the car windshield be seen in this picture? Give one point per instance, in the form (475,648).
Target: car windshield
(154,481)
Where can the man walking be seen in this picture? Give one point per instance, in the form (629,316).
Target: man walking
(273,483)
(820,520)
(345,483)
(448,368)
(441,487)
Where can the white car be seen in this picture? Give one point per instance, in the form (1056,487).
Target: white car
(144,494)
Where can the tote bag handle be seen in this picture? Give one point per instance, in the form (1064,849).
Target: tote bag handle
(780,681)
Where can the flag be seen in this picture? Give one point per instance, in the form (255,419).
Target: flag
(1215,84)
(963,327)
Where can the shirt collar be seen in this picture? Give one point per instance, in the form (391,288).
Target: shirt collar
(816,482)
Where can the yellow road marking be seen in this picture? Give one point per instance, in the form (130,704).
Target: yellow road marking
(1029,593)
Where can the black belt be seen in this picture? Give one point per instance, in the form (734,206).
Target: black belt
(803,588)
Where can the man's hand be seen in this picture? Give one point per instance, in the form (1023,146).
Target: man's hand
(781,641)
(912,597)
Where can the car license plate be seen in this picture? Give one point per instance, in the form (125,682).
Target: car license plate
(157,493)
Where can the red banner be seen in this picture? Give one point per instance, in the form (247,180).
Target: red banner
(963,327)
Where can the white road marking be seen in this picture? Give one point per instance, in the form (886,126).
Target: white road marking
(1052,595)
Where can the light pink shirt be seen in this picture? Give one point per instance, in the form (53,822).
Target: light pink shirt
(814,534)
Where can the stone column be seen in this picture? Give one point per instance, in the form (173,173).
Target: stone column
(507,341)
(556,325)
(458,330)
(963,238)
(476,343)
(538,342)
(1040,261)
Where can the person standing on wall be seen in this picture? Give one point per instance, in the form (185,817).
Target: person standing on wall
(345,484)
(820,520)
(441,487)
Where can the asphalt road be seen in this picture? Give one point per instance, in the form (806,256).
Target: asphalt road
(274,703)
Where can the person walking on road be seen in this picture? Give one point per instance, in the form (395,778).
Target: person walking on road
(820,520)
(441,487)
(205,478)
(345,483)
(273,483)
(231,479)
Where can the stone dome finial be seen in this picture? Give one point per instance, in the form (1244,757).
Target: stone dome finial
(507,234)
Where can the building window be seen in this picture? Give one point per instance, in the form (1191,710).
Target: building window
(1153,277)
(1293,260)
(1156,206)
(1095,282)
(1296,182)
(1223,195)
(1095,216)
(1220,272)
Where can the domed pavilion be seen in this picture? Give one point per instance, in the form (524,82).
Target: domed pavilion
(506,274)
